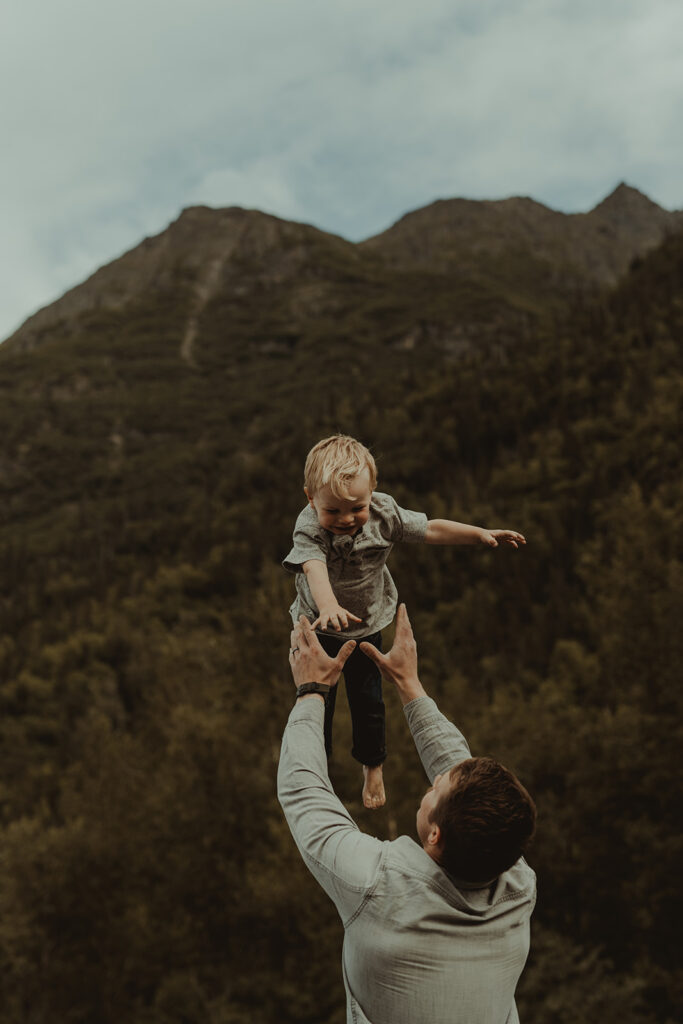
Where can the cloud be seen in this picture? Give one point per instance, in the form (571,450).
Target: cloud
(343,115)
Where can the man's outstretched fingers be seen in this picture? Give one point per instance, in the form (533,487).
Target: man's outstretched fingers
(344,653)
(305,633)
(404,630)
(372,653)
(402,619)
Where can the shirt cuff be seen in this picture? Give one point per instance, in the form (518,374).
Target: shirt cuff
(411,708)
(294,562)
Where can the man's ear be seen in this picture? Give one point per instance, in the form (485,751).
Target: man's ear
(434,836)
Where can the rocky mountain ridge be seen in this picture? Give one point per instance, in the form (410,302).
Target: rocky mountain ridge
(586,247)
(515,248)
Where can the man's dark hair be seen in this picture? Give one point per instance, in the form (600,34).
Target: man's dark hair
(486,819)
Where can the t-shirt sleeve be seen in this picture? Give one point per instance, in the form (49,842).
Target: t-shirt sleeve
(404,525)
(307,543)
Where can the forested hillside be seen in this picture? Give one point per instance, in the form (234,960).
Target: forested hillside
(151,469)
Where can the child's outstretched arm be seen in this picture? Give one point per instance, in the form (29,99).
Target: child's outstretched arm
(329,609)
(445,531)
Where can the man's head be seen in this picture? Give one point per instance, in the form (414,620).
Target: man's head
(477,820)
(339,478)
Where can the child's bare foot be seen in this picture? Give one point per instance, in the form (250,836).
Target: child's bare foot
(373,787)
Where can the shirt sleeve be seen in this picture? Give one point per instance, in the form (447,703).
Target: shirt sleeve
(307,544)
(403,524)
(340,857)
(439,743)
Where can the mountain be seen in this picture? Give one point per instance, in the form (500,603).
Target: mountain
(472,262)
(153,428)
(204,252)
(499,237)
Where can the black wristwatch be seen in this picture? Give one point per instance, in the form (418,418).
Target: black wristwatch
(321,688)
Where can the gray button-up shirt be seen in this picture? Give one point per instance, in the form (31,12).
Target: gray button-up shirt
(420,947)
(356,565)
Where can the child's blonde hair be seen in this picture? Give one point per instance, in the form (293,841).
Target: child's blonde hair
(335,461)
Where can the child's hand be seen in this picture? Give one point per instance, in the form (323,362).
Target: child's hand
(492,537)
(337,617)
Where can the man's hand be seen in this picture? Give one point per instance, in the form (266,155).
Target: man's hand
(492,537)
(309,662)
(399,666)
(337,617)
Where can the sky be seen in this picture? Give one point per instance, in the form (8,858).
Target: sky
(340,113)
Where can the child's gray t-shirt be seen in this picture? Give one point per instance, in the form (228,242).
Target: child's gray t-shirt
(356,565)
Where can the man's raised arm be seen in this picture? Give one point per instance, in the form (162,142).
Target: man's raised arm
(439,744)
(342,859)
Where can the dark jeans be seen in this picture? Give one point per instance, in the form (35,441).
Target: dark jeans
(364,692)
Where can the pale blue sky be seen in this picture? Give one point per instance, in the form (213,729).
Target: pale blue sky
(116,115)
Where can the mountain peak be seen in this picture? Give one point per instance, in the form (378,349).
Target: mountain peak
(202,247)
(632,220)
(629,200)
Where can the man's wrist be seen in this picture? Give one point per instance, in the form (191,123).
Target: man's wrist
(319,689)
(410,690)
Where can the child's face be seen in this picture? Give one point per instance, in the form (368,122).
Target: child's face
(343,515)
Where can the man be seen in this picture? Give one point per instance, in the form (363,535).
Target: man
(436,932)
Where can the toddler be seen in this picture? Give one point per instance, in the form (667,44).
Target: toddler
(341,543)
